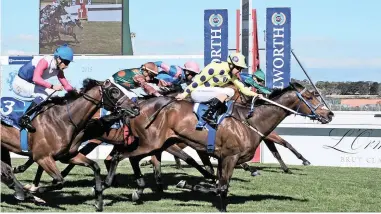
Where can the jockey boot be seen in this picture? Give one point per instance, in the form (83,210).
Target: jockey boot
(214,106)
(25,121)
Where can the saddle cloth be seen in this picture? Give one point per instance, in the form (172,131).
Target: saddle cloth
(199,109)
(12,109)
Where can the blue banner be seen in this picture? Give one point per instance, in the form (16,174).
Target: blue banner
(278,47)
(19,60)
(215,36)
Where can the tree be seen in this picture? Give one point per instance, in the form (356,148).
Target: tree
(374,88)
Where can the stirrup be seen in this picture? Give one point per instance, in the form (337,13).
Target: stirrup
(209,119)
(25,123)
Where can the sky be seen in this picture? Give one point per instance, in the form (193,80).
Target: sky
(335,40)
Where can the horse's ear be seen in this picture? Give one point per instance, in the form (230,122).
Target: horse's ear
(107,83)
(291,84)
(316,93)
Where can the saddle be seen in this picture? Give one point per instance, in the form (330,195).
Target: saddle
(199,109)
(12,109)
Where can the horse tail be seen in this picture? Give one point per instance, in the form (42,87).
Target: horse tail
(154,115)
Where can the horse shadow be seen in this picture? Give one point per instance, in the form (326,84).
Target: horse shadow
(187,197)
(58,200)
(9,201)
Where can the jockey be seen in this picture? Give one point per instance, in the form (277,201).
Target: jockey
(136,77)
(30,81)
(176,75)
(205,86)
(257,81)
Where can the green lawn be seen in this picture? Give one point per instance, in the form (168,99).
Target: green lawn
(94,38)
(309,189)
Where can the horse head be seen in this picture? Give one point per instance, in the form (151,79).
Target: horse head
(113,99)
(302,101)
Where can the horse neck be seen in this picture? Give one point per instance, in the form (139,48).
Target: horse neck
(268,116)
(82,109)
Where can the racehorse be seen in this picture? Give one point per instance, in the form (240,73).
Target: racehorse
(66,29)
(60,129)
(115,136)
(236,139)
(269,140)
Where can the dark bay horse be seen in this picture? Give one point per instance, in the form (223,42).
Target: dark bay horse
(235,141)
(60,130)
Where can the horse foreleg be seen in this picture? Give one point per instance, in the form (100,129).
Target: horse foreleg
(82,160)
(225,168)
(178,163)
(75,37)
(277,139)
(23,167)
(270,144)
(156,162)
(89,147)
(136,195)
(36,181)
(6,156)
(178,152)
(206,161)
(112,164)
(253,170)
(49,165)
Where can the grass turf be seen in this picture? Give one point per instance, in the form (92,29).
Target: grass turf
(309,189)
(94,38)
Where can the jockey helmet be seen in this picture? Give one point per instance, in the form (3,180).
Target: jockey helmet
(192,66)
(150,67)
(237,59)
(260,74)
(64,52)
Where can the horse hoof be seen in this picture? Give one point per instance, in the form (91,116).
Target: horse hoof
(210,170)
(38,201)
(288,171)
(135,196)
(256,173)
(19,196)
(181,184)
(306,163)
(160,188)
(98,207)
(31,188)
(223,210)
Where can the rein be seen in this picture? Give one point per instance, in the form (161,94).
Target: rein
(313,114)
(154,115)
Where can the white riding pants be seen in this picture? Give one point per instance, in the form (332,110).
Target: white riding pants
(26,89)
(205,94)
(126,92)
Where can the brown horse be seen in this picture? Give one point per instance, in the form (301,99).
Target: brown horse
(235,142)
(269,140)
(66,29)
(60,130)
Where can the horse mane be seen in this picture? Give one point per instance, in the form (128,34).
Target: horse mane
(70,96)
(278,92)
